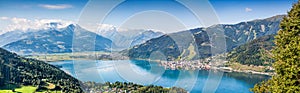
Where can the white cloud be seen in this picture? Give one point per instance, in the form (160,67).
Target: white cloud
(248,9)
(24,24)
(3,18)
(105,27)
(56,6)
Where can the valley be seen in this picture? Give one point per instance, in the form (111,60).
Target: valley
(72,59)
(113,47)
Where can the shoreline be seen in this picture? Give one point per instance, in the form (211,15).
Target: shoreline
(188,65)
(229,69)
(200,65)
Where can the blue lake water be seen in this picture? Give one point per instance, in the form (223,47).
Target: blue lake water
(146,73)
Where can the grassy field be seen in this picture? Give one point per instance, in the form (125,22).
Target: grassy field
(241,67)
(6,91)
(26,89)
(188,54)
(23,89)
(49,92)
(192,52)
(66,56)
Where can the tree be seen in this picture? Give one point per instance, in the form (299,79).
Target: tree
(287,56)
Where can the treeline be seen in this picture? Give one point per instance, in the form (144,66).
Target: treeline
(256,52)
(17,70)
(124,87)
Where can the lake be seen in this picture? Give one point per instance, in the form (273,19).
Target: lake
(146,73)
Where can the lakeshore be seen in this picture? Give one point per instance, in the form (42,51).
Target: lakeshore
(205,65)
(105,71)
(201,64)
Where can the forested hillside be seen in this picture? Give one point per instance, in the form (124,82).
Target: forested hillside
(19,71)
(256,52)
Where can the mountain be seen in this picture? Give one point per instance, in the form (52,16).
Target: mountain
(120,39)
(18,71)
(128,38)
(18,34)
(195,43)
(59,41)
(174,45)
(256,52)
(144,36)
(244,32)
(12,37)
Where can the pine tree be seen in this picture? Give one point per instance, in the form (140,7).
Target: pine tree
(287,56)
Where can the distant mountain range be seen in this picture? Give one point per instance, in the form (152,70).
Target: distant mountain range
(195,43)
(18,34)
(128,38)
(145,36)
(56,41)
(13,36)
(189,44)
(52,39)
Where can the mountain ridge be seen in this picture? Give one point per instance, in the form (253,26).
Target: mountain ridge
(60,41)
(14,40)
(235,35)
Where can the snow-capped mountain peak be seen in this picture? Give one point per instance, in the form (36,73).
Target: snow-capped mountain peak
(25,25)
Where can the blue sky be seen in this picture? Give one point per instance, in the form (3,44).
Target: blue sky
(228,11)
(233,11)
(34,9)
